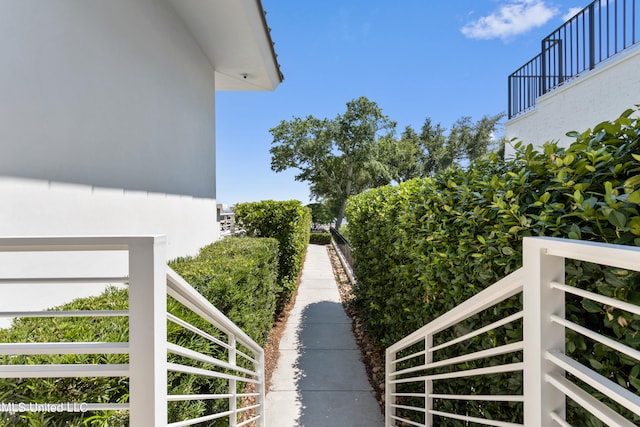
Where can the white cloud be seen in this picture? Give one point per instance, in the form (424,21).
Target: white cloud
(571,13)
(513,18)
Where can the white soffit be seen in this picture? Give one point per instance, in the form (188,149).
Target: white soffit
(235,37)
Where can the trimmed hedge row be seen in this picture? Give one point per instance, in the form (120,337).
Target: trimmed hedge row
(238,275)
(320,238)
(425,246)
(290,224)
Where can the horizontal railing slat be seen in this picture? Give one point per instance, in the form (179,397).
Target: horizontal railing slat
(507,348)
(625,257)
(196,330)
(510,367)
(64,371)
(192,354)
(588,402)
(622,305)
(64,348)
(558,419)
(413,423)
(67,244)
(605,386)
(411,356)
(249,421)
(176,367)
(247,408)
(182,397)
(63,280)
(479,331)
(616,345)
(200,420)
(66,313)
(483,421)
(409,408)
(483,397)
(496,351)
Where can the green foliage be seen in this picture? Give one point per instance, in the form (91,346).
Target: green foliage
(427,245)
(320,213)
(418,155)
(290,224)
(320,238)
(338,157)
(238,276)
(63,390)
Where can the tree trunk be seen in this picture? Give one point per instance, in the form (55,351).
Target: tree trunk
(341,214)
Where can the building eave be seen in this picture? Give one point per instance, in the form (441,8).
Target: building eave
(237,40)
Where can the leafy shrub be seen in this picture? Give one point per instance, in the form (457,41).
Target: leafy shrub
(290,224)
(238,276)
(55,390)
(320,238)
(427,245)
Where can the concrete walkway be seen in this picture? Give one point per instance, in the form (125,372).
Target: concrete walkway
(320,380)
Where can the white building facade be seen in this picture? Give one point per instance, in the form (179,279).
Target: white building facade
(107,113)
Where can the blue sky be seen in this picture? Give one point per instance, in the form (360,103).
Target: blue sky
(442,59)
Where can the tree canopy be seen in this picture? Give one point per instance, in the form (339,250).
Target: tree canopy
(358,150)
(425,153)
(338,157)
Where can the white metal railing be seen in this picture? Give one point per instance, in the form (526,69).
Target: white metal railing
(545,365)
(149,281)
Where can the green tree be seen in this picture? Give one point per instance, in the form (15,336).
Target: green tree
(432,150)
(320,213)
(338,157)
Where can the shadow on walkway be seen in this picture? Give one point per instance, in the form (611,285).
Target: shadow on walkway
(320,379)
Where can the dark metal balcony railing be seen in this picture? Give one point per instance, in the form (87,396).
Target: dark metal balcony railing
(595,34)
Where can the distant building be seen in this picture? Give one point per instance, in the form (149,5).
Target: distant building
(588,71)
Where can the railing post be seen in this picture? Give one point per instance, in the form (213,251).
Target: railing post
(560,63)
(540,334)
(428,384)
(262,421)
(147,332)
(389,388)
(543,67)
(510,96)
(233,387)
(592,38)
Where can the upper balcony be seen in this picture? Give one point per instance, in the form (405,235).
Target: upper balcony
(600,31)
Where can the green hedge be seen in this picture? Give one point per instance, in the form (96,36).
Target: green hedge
(290,224)
(425,246)
(237,275)
(320,238)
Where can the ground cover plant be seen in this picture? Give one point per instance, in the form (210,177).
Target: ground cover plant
(426,245)
(289,222)
(238,275)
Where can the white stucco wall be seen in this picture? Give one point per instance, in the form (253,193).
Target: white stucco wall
(598,95)
(106,122)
